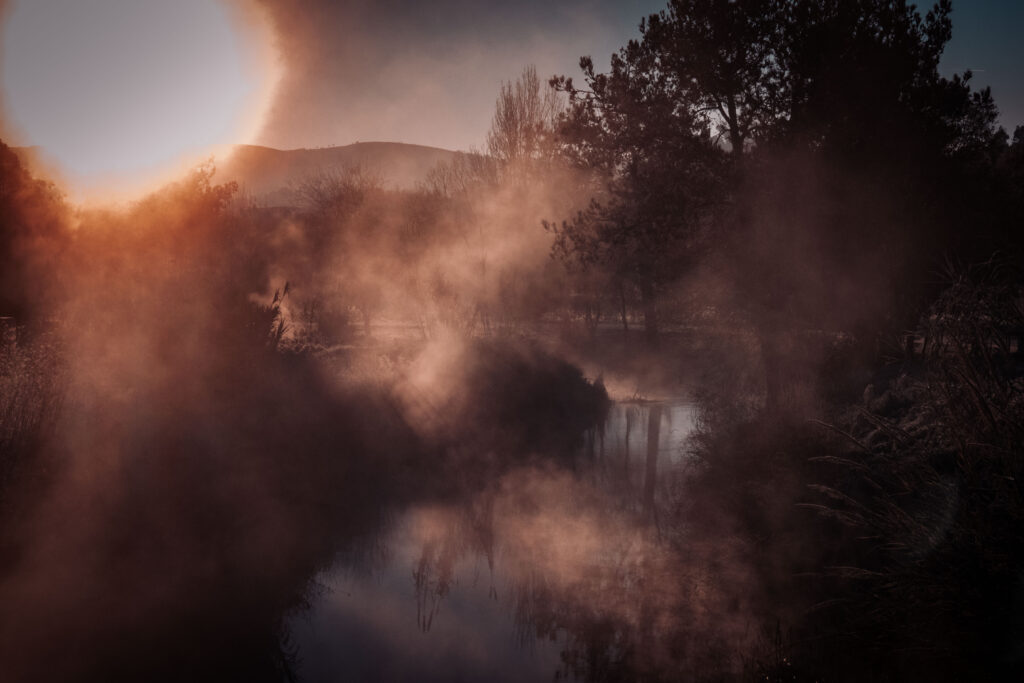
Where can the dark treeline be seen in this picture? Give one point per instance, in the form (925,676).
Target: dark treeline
(811,151)
(802,171)
(207,400)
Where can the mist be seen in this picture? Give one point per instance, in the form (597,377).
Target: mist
(699,364)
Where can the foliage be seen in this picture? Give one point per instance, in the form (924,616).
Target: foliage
(468,172)
(33,220)
(843,95)
(32,388)
(524,121)
(654,167)
(724,56)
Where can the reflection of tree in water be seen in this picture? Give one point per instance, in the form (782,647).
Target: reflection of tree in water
(641,605)
(651,468)
(433,577)
(447,537)
(582,561)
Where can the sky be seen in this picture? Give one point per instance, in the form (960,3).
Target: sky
(425,72)
(113,88)
(988,39)
(428,72)
(340,71)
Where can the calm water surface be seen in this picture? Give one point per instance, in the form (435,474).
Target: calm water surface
(471,589)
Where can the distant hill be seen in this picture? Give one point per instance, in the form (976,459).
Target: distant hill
(266,172)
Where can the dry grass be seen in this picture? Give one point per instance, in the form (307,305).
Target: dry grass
(32,386)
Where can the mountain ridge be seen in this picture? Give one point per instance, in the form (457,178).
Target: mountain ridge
(269,172)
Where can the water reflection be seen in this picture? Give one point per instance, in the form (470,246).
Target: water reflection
(547,570)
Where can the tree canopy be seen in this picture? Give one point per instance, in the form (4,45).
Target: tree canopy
(713,126)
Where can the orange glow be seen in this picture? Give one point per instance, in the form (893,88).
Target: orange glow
(108,131)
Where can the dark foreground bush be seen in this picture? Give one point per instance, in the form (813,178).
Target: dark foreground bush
(889,545)
(31,393)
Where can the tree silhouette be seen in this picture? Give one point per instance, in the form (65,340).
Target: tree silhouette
(525,114)
(654,168)
(31,224)
(723,56)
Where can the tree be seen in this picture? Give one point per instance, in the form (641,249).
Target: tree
(520,143)
(32,221)
(721,54)
(525,115)
(817,73)
(465,173)
(888,139)
(346,213)
(845,148)
(654,169)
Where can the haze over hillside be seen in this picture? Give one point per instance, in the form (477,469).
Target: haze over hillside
(267,173)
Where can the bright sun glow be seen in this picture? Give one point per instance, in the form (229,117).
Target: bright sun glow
(121,93)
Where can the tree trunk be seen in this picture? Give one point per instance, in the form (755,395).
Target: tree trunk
(622,310)
(625,453)
(771,359)
(735,138)
(8,336)
(650,314)
(651,472)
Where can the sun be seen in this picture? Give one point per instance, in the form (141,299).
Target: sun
(119,94)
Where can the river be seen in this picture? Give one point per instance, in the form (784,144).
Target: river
(461,590)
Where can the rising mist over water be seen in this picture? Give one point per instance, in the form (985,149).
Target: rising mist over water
(706,366)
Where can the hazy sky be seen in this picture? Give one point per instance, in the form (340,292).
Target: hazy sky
(428,72)
(402,70)
(425,72)
(111,88)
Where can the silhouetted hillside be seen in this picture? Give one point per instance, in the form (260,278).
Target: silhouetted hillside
(265,172)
